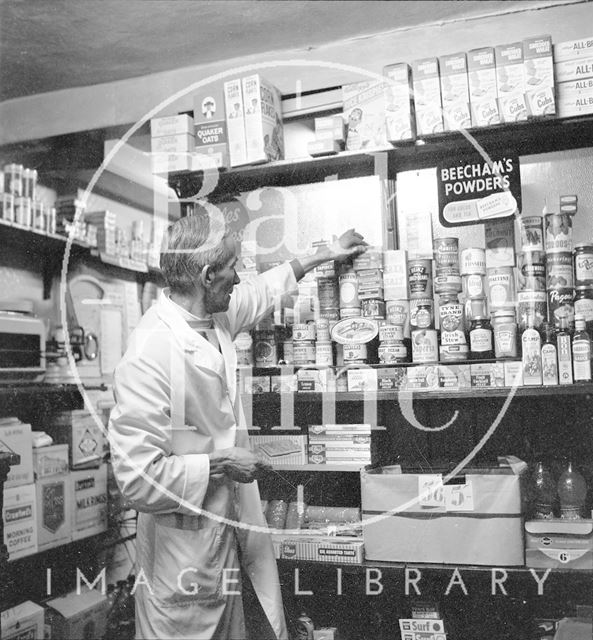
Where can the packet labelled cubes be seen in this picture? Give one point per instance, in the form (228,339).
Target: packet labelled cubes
(210,126)
(19,514)
(364,111)
(235,120)
(264,133)
(538,70)
(15,436)
(89,491)
(427,96)
(481,70)
(510,82)
(399,105)
(455,91)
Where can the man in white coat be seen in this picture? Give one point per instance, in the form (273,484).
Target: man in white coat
(179,442)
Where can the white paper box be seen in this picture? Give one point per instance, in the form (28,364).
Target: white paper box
(264,134)
(82,615)
(235,119)
(180,143)
(483,96)
(574,69)
(455,91)
(427,96)
(171,125)
(364,113)
(89,492)
(25,621)
(51,461)
(573,49)
(399,105)
(20,521)
(210,126)
(16,436)
(510,82)
(54,511)
(84,437)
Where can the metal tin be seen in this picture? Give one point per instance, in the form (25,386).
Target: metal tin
(348,283)
(559,270)
(531,230)
(583,264)
(7,207)
(303,352)
(447,280)
(531,304)
(561,305)
(354,352)
(473,286)
(324,354)
(372,258)
(391,332)
(287,351)
(425,347)
(420,278)
(13,179)
(558,232)
(328,293)
(473,260)
(501,287)
(303,332)
(332,315)
(264,348)
(373,308)
(423,304)
(244,349)
(453,345)
(353,312)
(354,330)
(392,352)
(446,252)
(583,304)
(322,330)
(397,312)
(531,271)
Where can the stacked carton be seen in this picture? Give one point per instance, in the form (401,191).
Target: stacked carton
(340,444)
(172,142)
(329,136)
(538,70)
(573,66)
(399,103)
(455,92)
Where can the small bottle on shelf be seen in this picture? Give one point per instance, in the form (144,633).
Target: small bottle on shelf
(572,492)
(505,333)
(480,339)
(549,355)
(581,351)
(543,492)
(531,354)
(564,347)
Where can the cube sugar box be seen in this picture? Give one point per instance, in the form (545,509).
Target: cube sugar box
(427,96)
(510,82)
(399,103)
(235,120)
(84,436)
(264,132)
(19,513)
(16,437)
(483,97)
(364,113)
(79,615)
(25,621)
(89,491)
(171,125)
(455,92)
(210,125)
(54,511)
(538,68)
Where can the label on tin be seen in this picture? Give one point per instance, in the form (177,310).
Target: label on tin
(447,282)
(354,330)
(446,252)
(531,304)
(354,351)
(474,286)
(303,352)
(531,271)
(322,330)
(303,331)
(501,290)
(584,307)
(480,340)
(264,349)
(373,308)
(560,305)
(352,312)
(324,354)
(424,345)
(558,232)
(559,270)
(531,230)
(583,265)
(414,306)
(394,352)
(420,278)
(397,311)
(348,290)
(473,260)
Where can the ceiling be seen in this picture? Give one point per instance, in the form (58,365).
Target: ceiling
(46,46)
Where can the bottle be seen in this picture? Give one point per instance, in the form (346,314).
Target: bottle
(480,339)
(543,489)
(564,347)
(304,628)
(581,351)
(549,355)
(531,354)
(505,333)
(572,491)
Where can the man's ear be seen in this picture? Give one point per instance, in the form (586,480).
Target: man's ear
(206,276)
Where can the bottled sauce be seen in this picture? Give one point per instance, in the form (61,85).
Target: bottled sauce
(572,491)
(505,333)
(549,355)
(543,491)
(480,339)
(581,351)
(564,347)
(531,355)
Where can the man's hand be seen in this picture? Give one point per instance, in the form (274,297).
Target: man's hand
(241,465)
(349,244)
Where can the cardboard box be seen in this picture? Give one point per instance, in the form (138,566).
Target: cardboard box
(487,374)
(427,96)
(316,380)
(391,378)
(171,125)
(573,49)
(513,373)
(362,379)
(89,493)
(54,511)
(168,162)
(323,147)
(538,68)
(25,621)
(235,120)
(575,104)
(16,436)
(85,438)
(483,97)
(455,92)
(400,118)
(574,88)
(280,450)
(82,615)
(210,127)
(571,70)
(346,550)
(180,143)
(422,377)
(19,514)
(510,82)
(559,544)
(454,376)
(264,133)
(430,519)
(364,113)
(283,383)
(256,384)
(51,461)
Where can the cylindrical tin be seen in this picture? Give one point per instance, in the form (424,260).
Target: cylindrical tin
(303,332)
(349,290)
(244,349)
(391,333)
(324,355)
(446,252)
(322,330)
(397,312)
(559,270)
(328,293)
(531,229)
(531,271)
(447,280)
(453,345)
(474,286)
(558,232)
(304,352)
(473,260)
(420,278)
(425,347)
(425,304)
(561,305)
(583,264)
(332,315)
(531,304)
(353,352)
(264,348)
(583,304)
(373,308)
(350,312)
(22,212)
(501,287)
(7,207)
(392,352)
(13,179)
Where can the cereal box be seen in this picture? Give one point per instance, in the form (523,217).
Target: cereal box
(235,120)
(399,105)
(573,49)
(15,436)
(427,96)
(455,91)
(481,70)
(264,133)
(538,68)
(19,514)
(510,82)
(364,111)
(210,125)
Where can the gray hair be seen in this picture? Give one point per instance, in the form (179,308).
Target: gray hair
(193,242)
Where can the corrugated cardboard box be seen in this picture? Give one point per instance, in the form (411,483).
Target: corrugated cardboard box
(82,615)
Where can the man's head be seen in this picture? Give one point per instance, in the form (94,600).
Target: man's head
(199,260)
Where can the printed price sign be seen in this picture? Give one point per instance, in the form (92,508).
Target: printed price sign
(459,497)
(430,491)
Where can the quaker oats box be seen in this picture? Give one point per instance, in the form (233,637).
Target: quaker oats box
(413,516)
(16,437)
(89,494)
(54,511)
(78,429)
(427,96)
(399,104)
(538,69)
(210,127)
(455,92)
(510,82)
(364,113)
(481,70)
(19,514)
(79,615)
(25,621)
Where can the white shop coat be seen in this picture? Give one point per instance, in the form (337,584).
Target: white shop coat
(176,400)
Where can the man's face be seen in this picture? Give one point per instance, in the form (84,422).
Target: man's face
(218,295)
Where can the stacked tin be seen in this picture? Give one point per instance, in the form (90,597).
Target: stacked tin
(423,333)
(324,353)
(303,343)
(328,291)
(583,281)
(368,270)
(348,293)
(396,329)
(473,283)
(531,273)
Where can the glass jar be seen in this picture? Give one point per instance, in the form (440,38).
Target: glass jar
(480,339)
(505,333)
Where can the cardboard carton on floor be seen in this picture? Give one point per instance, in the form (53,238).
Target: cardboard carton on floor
(23,621)
(80,615)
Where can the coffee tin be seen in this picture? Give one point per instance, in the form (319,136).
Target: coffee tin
(558,232)
(531,230)
(420,278)
(559,270)
(531,271)
(425,347)
(473,260)
(446,252)
(583,264)
(561,305)
(531,304)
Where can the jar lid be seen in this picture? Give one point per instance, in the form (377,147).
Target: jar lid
(583,245)
(584,287)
